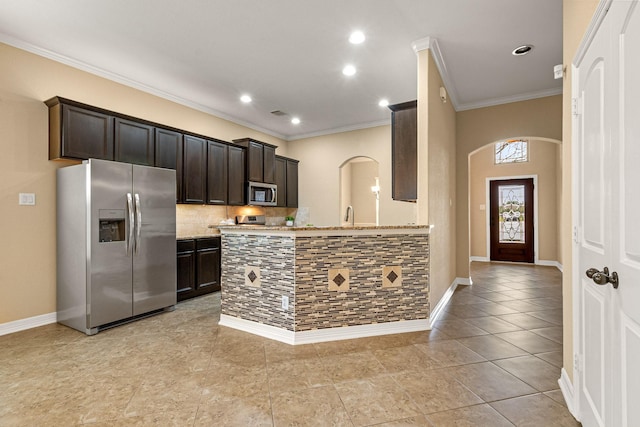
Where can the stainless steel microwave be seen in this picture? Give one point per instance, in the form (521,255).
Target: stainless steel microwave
(261,194)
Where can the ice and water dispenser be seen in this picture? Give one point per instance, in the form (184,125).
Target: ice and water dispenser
(112,226)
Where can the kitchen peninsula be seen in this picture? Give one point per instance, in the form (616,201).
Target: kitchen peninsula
(310,284)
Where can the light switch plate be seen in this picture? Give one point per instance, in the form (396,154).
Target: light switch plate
(28,199)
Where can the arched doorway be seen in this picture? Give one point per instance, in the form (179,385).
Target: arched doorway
(359,188)
(543,166)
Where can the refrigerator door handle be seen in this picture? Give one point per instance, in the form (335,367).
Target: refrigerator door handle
(131,222)
(138,221)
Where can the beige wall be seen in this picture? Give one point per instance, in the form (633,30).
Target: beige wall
(363,200)
(441,184)
(540,118)
(28,254)
(543,163)
(319,176)
(576,16)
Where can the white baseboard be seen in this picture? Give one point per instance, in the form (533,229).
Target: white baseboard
(466,281)
(28,323)
(439,308)
(322,335)
(567,392)
(549,263)
(545,262)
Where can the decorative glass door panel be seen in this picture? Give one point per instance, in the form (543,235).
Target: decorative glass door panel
(511,220)
(512,213)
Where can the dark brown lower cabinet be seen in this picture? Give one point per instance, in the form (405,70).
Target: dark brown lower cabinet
(186,268)
(198,267)
(207,265)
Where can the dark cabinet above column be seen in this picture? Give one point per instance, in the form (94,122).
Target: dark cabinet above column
(404,151)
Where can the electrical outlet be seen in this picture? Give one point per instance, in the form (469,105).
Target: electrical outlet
(285,302)
(28,199)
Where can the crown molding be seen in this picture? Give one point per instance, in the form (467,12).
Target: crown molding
(431,43)
(11,41)
(422,44)
(509,99)
(340,129)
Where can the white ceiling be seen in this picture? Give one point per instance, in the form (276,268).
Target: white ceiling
(288,54)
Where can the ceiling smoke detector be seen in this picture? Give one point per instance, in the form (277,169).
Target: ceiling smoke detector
(522,50)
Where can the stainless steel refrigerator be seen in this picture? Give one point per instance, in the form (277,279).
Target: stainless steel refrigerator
(116,243)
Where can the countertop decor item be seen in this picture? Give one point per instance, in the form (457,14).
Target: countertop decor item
(288,220)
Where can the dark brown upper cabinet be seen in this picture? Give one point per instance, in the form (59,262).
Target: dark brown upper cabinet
(281,181)
(208,171)
(217,172)
(78,132)
(269,164)
(286,173)
(169,155)
(194,179)
(236,177)
(260,160)
(134,142)
(404,151)
(292,183)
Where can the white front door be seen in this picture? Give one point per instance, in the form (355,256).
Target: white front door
(608,190)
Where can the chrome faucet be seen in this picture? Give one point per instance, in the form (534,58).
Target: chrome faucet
(346,217)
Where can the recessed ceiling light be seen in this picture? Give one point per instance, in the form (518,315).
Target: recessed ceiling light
(383,103)
(522,50)
(245,98)
(295,121)
(356,37)
(349,70)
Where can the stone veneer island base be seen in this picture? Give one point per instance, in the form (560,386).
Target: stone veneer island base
(301,285)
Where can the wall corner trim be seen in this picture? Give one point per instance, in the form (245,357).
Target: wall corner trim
(440,306)
(568,393)
(28,323)
(422,44)
(431,43)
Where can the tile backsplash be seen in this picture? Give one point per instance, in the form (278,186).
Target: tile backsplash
(199,220)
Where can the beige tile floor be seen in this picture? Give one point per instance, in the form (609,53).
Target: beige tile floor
(493,360)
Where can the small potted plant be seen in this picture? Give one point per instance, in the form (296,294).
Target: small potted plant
(288,220)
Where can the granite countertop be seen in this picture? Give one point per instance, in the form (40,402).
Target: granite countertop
(325,230)
(322,227)
(212,232)
(216,231)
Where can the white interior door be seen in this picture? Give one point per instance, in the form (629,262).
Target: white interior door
(607,175)
(625,16)
(593,222)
